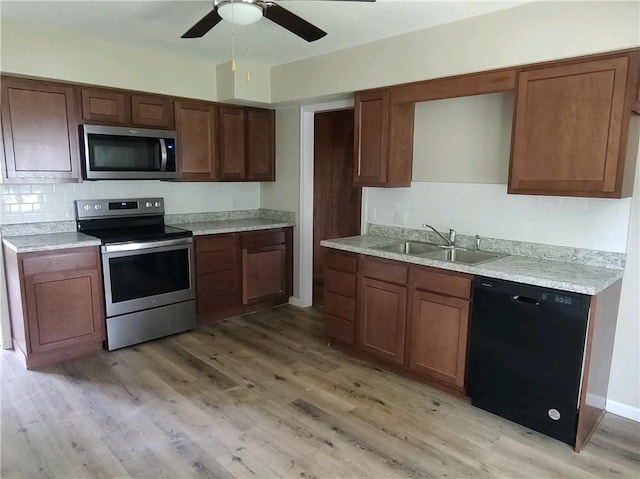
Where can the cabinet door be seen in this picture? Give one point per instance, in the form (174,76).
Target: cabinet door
(152,110)
(196,138)
(40,123)
(568,129)
(64,309)
(438,334)
(261,155)
(231,135)
(264,273)
(371,138)
(109,106)
(382,312)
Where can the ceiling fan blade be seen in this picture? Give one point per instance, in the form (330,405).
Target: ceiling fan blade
(207,22)
(293,23)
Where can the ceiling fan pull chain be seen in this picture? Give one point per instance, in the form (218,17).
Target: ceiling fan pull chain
(247,75)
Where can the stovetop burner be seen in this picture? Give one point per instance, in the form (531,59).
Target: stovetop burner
(129,220)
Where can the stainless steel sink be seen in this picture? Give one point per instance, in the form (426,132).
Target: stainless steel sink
(410,247)
(462,256)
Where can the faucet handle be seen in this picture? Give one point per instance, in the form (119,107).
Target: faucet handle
(452,236)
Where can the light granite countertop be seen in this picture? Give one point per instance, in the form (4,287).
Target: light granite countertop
(538,272)
(233,226)
(47,242)
(53,241)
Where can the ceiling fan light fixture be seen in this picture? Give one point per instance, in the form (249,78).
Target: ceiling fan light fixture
(240,12)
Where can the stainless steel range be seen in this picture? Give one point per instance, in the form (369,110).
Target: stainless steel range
(148,269)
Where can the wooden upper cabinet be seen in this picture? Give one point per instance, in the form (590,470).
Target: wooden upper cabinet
(260,145)
(40,130)
(231,135)
(371,138)
(383,139)
(152,110)
(571,127)
(196,140)
(109,106)
(119,107)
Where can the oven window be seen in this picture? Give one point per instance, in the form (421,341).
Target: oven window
(149,274)
(124,153)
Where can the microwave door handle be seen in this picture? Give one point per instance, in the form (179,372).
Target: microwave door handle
(163,154)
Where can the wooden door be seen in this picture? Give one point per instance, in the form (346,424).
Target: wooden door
(264,273)
(371,131)
(382,314)
(438,337)
(231,134)
(197,141)
(568,128)
(154,111)
(40,128)
(261,153)
(336,202)
(108,106)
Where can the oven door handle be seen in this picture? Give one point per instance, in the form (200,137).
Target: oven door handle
(163,154)
(135,246)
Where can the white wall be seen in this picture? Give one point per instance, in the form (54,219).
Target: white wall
(624,384)
(528,33)
(62,55)
(284,193)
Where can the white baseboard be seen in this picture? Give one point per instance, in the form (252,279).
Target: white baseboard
(623,410)
(297,302)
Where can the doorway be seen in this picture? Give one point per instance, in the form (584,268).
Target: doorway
(336,202)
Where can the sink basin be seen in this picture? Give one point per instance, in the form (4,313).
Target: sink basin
(462,256)
(410,247)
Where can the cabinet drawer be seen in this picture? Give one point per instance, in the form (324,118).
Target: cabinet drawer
(340,306)
(214,243)
(451,284)
(46,262)
(387,271)
(339,282)
(217,282)
(256,239)
(214,261)
(341,261)
(339,329)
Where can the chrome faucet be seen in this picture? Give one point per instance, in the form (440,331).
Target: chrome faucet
(451,242)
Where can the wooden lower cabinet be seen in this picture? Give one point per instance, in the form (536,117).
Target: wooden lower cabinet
(383,317)
(56,303)
(238,273)
(218,276)
(340,295)
(266,268)
(412,317)
(438,337)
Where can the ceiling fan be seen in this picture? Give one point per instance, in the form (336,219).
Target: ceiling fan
(246,12)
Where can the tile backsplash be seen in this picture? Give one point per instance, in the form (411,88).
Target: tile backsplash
(487,210)
(54,202)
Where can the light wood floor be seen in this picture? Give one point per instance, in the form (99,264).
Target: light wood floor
(264,396)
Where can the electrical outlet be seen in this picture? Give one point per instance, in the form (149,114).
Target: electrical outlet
(234,202)
(400,217)
(372,214)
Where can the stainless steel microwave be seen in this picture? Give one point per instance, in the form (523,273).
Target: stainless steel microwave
(123,153)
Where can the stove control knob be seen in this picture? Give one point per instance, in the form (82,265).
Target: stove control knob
(87,207)
(98,207)
(157,204)
(148,204)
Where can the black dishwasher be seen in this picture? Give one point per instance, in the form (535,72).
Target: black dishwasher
(525,354)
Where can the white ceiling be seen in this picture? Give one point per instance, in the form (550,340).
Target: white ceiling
(160,23)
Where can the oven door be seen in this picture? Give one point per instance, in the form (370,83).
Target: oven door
(139,276)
